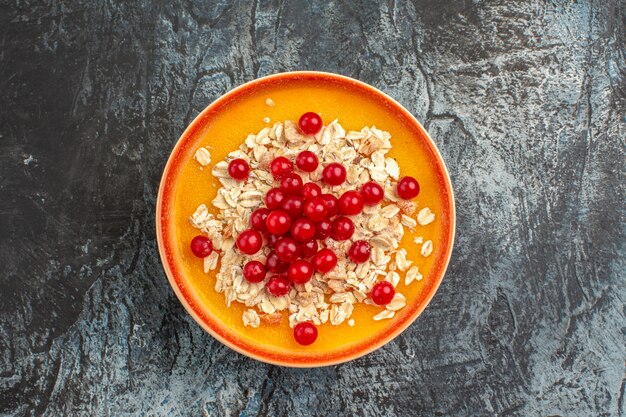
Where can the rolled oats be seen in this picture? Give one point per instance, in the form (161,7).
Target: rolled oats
(203,156)
(385,314)
(427,248)
(397,302)
(401,261)
(326,297)
(425,216)
(412,274)
(251,318)
(408,221)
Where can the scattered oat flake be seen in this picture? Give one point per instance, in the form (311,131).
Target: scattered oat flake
(210,262)
(385,314)
(418,240)
(203,156)
(397,302)
(266,120)
(425,216)
(351,322)
(270,102)
(427,248)
(393,277)
(251,318)
(401,261)
(412,274)
(408,221)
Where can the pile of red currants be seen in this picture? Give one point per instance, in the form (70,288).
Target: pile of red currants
(297,216)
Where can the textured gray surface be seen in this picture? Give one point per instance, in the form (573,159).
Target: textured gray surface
(526,101)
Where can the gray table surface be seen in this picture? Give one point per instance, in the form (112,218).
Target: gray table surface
(525,99)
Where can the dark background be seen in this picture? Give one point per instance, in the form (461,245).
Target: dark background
(525,99)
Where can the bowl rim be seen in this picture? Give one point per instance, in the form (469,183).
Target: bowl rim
(258,354)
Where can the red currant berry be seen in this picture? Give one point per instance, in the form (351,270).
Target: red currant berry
(278,222)
(293,206)
(274,264)
(342,228)
(287,249)
(324,260)
(280,166)
(278,285)
(201,246)
(315,209)
(305,333)
(254,271)
(238,169)
(291,183)
(257,219)
(300,271)
(308,249)
(372,193)
(311,190)
(307,161)
(351,203)
(332,204)
(249,241)
(274,198)
(383,293)
(408,188)
(360,252)
(334,174)
(310,123)
(271,240)
(303,229)
(322,229)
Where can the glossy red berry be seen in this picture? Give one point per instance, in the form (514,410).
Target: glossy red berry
(408,188)
(383,293)
(311,190)
(201,246)
(323,229)
(258,217)
(342,228)
(351,203)
(308,249)
(278,285)
(287,249)
(293,206)
(249,241)
(332,204)
(315,209)
(307,161)
(303,230)
(324,260)
(274,264)
(254,271)
(310,123)
(280,166)
(238,169)
(274,198)
(372,193)
(291,183)
(360,252)
(300,271)
(278,222)
(334,174)
(271,240)
(305,333)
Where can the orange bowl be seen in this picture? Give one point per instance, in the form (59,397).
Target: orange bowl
(196,295)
